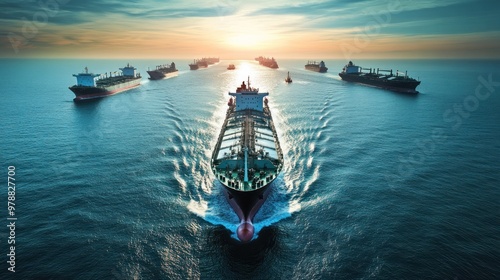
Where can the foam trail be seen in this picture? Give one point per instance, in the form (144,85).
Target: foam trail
(214,208)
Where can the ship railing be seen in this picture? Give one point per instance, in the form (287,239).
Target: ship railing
(263,133)
(267,147)
(382,70)
(278,146)
(370,69)
(221,136)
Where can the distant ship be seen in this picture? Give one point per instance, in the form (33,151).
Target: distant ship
(211,60)
(203,62)
(194,65)
(162,71)
(231,67)
(398,82)
(91,86)
(268,62)
(247,156)
(318,67)
(288,79)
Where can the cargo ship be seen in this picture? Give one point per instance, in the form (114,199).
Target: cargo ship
(92,86)
(194,65)
(231,67)
(317,67)
(202,63)
(197,63)
(247,157)
(268,62)
(211,60)
(162,71)
(399,82)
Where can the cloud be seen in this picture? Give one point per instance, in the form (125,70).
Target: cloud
(87,26)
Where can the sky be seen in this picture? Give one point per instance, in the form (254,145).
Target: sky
(233,29)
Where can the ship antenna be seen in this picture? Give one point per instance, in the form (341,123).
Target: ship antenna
(248,83)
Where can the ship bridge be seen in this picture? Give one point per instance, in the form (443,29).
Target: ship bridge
(86,79)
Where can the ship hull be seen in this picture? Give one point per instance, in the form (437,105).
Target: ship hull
(83,93)
(270,65)
(316,68)
(158,75)
(193,67)
(246,204)
(400,85)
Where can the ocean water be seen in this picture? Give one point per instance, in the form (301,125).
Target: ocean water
(376,184)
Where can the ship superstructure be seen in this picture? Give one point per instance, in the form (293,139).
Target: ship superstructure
(247,156)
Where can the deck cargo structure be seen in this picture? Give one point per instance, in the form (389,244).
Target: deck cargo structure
(247,156)
(399,82)
(91,86)
(317,67)
(163,71)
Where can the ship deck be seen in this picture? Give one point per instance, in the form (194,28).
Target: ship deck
(248,141)
(110,81)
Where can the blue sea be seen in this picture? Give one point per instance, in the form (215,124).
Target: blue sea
(376,184)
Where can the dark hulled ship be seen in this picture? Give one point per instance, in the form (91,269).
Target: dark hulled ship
(203,62)
(162,71)
(398,82)
(194,65)
(247,156)
(92,86)
(317,67)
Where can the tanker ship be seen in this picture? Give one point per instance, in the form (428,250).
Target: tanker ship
(317,67)
(398,82)
(162,71)
(92,86)
(197,63)
(247,156)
